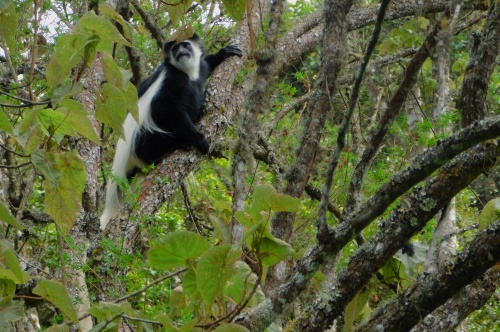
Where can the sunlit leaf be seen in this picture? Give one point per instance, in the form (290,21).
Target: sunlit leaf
(65,91)
(8,24)
(241,284)
(235,8)
(178,250)
(101,27)
(213,271)
(109,12)
(189,285)
(490,213)
(274,250)
(112,108)
(79,120)
(63,199)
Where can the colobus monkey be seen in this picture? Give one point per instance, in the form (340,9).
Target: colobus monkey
(170,103)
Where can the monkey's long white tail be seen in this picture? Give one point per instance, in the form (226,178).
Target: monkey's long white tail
(124,161)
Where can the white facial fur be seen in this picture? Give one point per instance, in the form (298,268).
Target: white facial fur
(189,65)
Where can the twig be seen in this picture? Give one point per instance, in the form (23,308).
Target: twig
(157,281)
(321,222)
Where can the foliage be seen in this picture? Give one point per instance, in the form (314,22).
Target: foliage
(183,271)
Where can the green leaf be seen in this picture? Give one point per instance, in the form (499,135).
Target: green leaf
(274,250)
(8,24)
(58,328)
(7,218)
(101,27)
(109,12)
(79,120)
(266,197)
(112,108)
(179,249)
(7,290)
(63,200)
(132,100)
(10,312)
(10,258)
(5,3)
(190,286)
(355,311)
(490,213)
(64,92)
(29,121)
(56,122)
(69,51)
(58,295)
(241,284)
(47,165)
(213,272)
(112,71)
(176,11)
(235,8)
(5,123)
(231,328)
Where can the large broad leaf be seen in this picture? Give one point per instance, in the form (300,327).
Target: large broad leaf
(79,119)
(8,24)
(5,123)
(231,328)
(112,108)
(176,11)
(112,71)
(58,328)
(63,199)
(65,92)
(356,310)
(69,51)
(6,217)
(490,213)
(132,100)
(190,286)
(102,27)
(274,250)
(241,284)
(7,290)
(235,8)
(10,259)
(266,197)
(179,249)
(5,3)
(58,295)
(213,272)
(108,11)
(10,312)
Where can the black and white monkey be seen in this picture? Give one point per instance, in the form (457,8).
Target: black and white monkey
(170,103)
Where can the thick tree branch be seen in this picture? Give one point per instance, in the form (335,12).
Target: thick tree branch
(406,220)
(479,69)
(432,290)
(464,302)
(393,108)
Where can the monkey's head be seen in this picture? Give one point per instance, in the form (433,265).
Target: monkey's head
(185,55)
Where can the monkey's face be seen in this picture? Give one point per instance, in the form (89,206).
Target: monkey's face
(185,56)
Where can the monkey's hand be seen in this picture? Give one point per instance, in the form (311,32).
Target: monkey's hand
(232,50)
(202,144)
